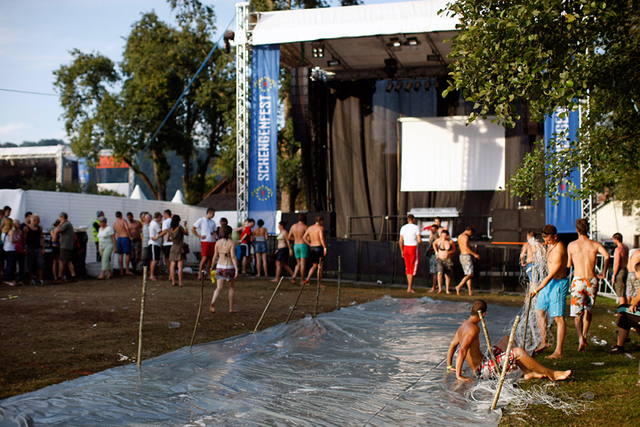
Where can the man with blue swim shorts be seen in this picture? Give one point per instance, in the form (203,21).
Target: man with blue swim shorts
(123,241)
(552,291)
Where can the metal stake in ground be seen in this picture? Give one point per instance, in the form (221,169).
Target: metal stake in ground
(142,299)
(268,304)
(315,312)
(526,323)
(195,327)
(339,277)
(486,336)
(294,306)
(505,364)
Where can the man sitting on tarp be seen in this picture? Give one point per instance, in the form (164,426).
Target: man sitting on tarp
(468,339)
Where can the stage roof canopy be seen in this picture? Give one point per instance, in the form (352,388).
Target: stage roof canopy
(353,42)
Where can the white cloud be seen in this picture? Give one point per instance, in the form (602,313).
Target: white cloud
(11,129)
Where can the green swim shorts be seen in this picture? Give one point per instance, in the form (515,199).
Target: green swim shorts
(301,250)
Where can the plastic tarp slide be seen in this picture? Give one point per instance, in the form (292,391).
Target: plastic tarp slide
(376,364)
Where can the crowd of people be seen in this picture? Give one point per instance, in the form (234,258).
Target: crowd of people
(440,251)
(23,248)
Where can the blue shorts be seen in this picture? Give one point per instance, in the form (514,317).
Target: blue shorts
(553,298)
(260,247)
(124,245)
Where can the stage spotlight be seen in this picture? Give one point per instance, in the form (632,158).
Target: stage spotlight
(395,42)
(412,41)
(408,87)
(398,86)
(427,85)
(390,67)
(228,36)
(389,87)
(436,84)
(416,86)
(333,62)
(317,49)
(433,58)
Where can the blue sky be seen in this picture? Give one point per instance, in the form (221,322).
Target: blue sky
(36,37)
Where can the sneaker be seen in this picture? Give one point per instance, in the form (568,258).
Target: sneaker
(41,283)
(33,283)
(615,349)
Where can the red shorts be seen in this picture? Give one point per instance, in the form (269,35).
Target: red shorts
(411,259)
(208,249)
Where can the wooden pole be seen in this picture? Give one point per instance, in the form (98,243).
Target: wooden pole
(142,300)
(339,284)
(195,327)
(505,364)
(526,323)
(268,304)
(294,306)
(315,312)
(486,336)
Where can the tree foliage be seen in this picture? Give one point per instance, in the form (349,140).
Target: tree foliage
(557,54)
(122,107)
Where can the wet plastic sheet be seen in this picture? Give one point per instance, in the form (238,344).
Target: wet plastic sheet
(376,364)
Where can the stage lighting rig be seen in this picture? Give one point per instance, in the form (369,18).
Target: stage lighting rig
(317,49)
(416,86)
(390,86)
(398,86)
(395,44)
(228,37)
(333,62)
(408,87)
(427,85)
(390,67)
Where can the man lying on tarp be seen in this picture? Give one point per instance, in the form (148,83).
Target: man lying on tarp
(468,339)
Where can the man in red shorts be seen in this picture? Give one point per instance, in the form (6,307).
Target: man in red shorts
(409,240)
(206,229)
(468,339)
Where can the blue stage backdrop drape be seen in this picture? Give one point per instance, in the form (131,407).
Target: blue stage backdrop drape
(264,135)
(563,214)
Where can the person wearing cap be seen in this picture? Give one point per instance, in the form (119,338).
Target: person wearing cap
(95,229)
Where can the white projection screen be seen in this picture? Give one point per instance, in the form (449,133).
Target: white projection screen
(444,154)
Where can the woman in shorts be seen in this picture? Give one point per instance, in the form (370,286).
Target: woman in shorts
(260,246)
(55,250)
(226,268)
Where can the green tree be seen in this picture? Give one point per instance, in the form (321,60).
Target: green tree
(121,109)
(557,54)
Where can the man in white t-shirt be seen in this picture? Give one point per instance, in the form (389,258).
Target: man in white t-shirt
(166,243)
(206,229)
(154,250)
(409,240)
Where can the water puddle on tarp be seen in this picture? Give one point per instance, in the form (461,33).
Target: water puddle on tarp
(375,364)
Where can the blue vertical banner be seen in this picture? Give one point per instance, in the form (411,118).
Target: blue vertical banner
(265,69)
(565,213)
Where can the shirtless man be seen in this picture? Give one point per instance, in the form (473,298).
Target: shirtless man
(584,286)
(121,227)
(300,248)
(467,338)
(466,259)
(633,284)
(628,317)
(553,291)
(527,257)
(314,237)
(444,248)
(135,229)
(620,272)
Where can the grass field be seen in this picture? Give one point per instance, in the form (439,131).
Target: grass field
(52,334)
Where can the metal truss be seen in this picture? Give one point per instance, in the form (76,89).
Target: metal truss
(242,109)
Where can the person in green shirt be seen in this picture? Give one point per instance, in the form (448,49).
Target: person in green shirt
(65,230)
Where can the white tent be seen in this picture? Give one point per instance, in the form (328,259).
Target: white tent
(178,198)
(138,194)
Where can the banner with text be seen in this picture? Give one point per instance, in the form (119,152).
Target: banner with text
(265,70)
(565,213)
